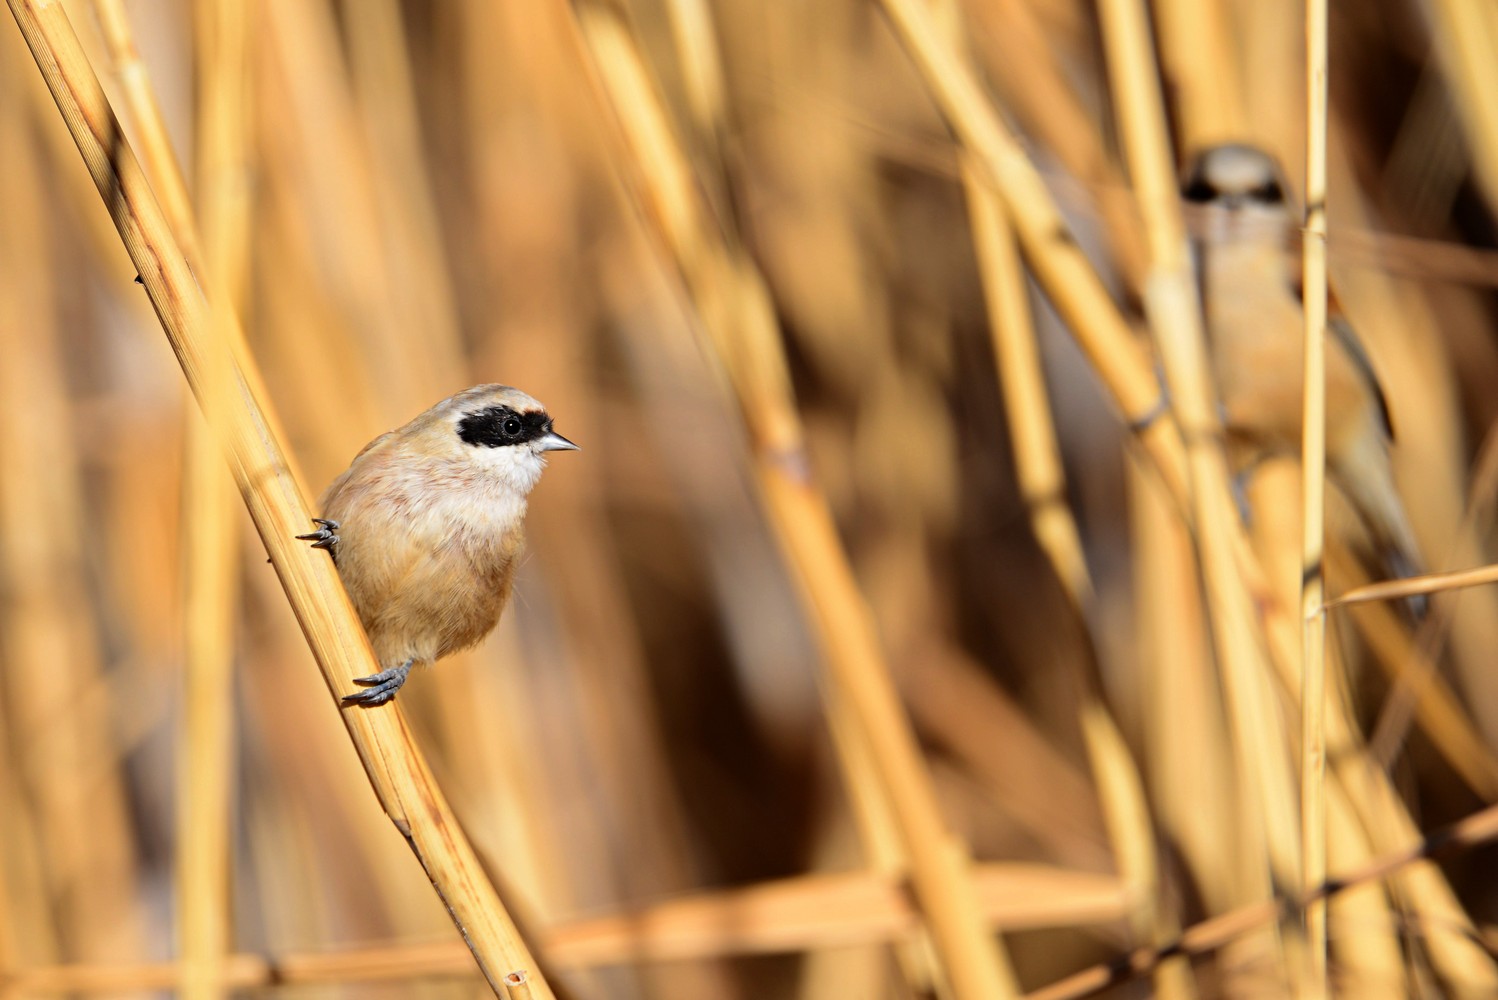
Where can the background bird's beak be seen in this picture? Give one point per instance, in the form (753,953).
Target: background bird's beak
(555,442)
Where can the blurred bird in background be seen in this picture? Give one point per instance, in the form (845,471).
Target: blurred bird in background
(1247,250)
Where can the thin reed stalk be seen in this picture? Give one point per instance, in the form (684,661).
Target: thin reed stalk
(77,877)
(1175,317)
(737,319)
(205,753)
(1038,470)
(400,962)
(211,592)
(1466,34)
(818,913)
(273,495)
(697,50)
(1037,457)
(1209,935)
(1051,249)
(1313,500)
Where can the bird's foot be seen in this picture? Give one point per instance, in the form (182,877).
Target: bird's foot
(324,537)
(380,687)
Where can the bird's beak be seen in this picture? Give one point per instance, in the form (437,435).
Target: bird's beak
(555,442)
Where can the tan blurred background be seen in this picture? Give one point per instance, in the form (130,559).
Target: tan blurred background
(406,198)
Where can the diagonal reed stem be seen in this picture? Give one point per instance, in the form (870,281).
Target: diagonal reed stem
(737,320)
(270,489)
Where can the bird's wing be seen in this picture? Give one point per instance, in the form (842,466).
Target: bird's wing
(373,445)
(336,486)
(1338,327)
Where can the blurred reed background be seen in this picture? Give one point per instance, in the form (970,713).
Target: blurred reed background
(710,234)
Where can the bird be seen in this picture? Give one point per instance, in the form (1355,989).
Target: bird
(1249,274)
(426,527)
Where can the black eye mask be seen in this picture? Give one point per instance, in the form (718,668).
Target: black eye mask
(1198,191)
(497,426)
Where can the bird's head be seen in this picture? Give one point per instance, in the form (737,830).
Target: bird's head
(1236,190)
(499,431)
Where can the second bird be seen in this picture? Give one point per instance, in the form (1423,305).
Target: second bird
(426,527)
(1252,300)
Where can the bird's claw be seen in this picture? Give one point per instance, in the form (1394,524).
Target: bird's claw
(380,687)
(324,537)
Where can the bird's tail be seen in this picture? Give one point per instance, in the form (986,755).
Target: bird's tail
(1365,475)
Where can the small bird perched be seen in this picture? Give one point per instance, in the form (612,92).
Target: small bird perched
(1252,300)
(426,527)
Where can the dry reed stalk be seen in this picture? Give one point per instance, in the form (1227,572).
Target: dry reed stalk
(247,971)
(27,933)
(1466,35)
(1366,948)
(206,746)
(806,913)
(816,912)
(501,798)
(1037,457)
(11,943)
(1387,824)
(1447,933)
(917,959)
(1201,65)
(343,204)
(68,780)
(1415,257)
(1410,666)
(1049,246)
(165,173)
(1275,494)
(205,749)
(1209,935)
(1175,317)
(1313,499)
(404,207)
(518,985)
(1132,833)
(954,699)
(641,838)
(702,70)
(1402,326)
(1187,756)
(225,200)
(1401,323)
(1038,470)
(737,319)
(10,939)
(1040,88)
(270,490)
(155,144)
(1417,685)
(477,757)
(293,302)
(1429,583)
(308,818)
(1383,821)
(1380,812)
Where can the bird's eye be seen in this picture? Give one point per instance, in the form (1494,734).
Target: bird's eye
(512,427)
(1269,193)
(1199,191)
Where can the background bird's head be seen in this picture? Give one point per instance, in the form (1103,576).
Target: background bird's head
(1235,191)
